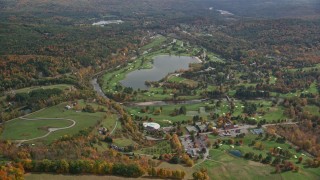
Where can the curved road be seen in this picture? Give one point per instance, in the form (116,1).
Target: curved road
(50,130)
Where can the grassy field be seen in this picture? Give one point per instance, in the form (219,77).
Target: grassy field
(312,89)
(314,110)
(22,129)
(122,142)
(110,121)
(18,129)
(158,40)
(28,89)
(162,147)
(307,68)
(270,113)
(221,161)
(163,118)
(182,80)
(225,166)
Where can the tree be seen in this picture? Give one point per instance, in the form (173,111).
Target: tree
(202,174)
(175,160)
(250,108)
(89,109)
(62,166)
(183,110)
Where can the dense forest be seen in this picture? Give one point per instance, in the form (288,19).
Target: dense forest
(44,43)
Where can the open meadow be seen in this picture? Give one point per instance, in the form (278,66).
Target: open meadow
(38,123)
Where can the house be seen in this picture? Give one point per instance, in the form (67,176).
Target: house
(202,128)
(68,107)
(103,130)
(192,152)
(168,129)
(257,131)
(191,128)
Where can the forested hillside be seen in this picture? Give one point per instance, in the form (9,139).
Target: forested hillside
(247,102)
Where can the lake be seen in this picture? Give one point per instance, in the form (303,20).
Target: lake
(162,65)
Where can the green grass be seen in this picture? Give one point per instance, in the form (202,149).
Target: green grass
(162,147)
(247,148)
(314,110)
(307,68)
(110,121)
(271,113)
(58,86)
(14,129)
(166,111)
(235,168)
(272,80)
(29,89)
(19,129)
(122,142)
(156,42)
(225,166)
(182,80)
(312,89)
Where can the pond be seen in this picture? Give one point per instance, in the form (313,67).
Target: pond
(236,153)
(162,66)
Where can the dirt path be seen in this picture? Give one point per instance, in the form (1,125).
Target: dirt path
(50,130)
(114,128)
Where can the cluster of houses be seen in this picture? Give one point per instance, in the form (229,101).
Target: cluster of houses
(199,127)
(196,145)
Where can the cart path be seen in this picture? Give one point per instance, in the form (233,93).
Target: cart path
(50,130)
(114,128)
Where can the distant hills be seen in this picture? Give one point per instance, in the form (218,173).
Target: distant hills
(270,8)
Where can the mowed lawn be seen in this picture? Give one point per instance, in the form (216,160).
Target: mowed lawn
(221,161)
(22,129)
(224,166)
(19,129)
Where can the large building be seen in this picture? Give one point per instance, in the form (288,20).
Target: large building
(151,126)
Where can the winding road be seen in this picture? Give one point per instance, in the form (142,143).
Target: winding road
(50,130)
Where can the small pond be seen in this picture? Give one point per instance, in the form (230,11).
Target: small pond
(236,153)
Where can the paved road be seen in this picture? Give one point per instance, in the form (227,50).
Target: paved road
(97,88)
(50,130)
